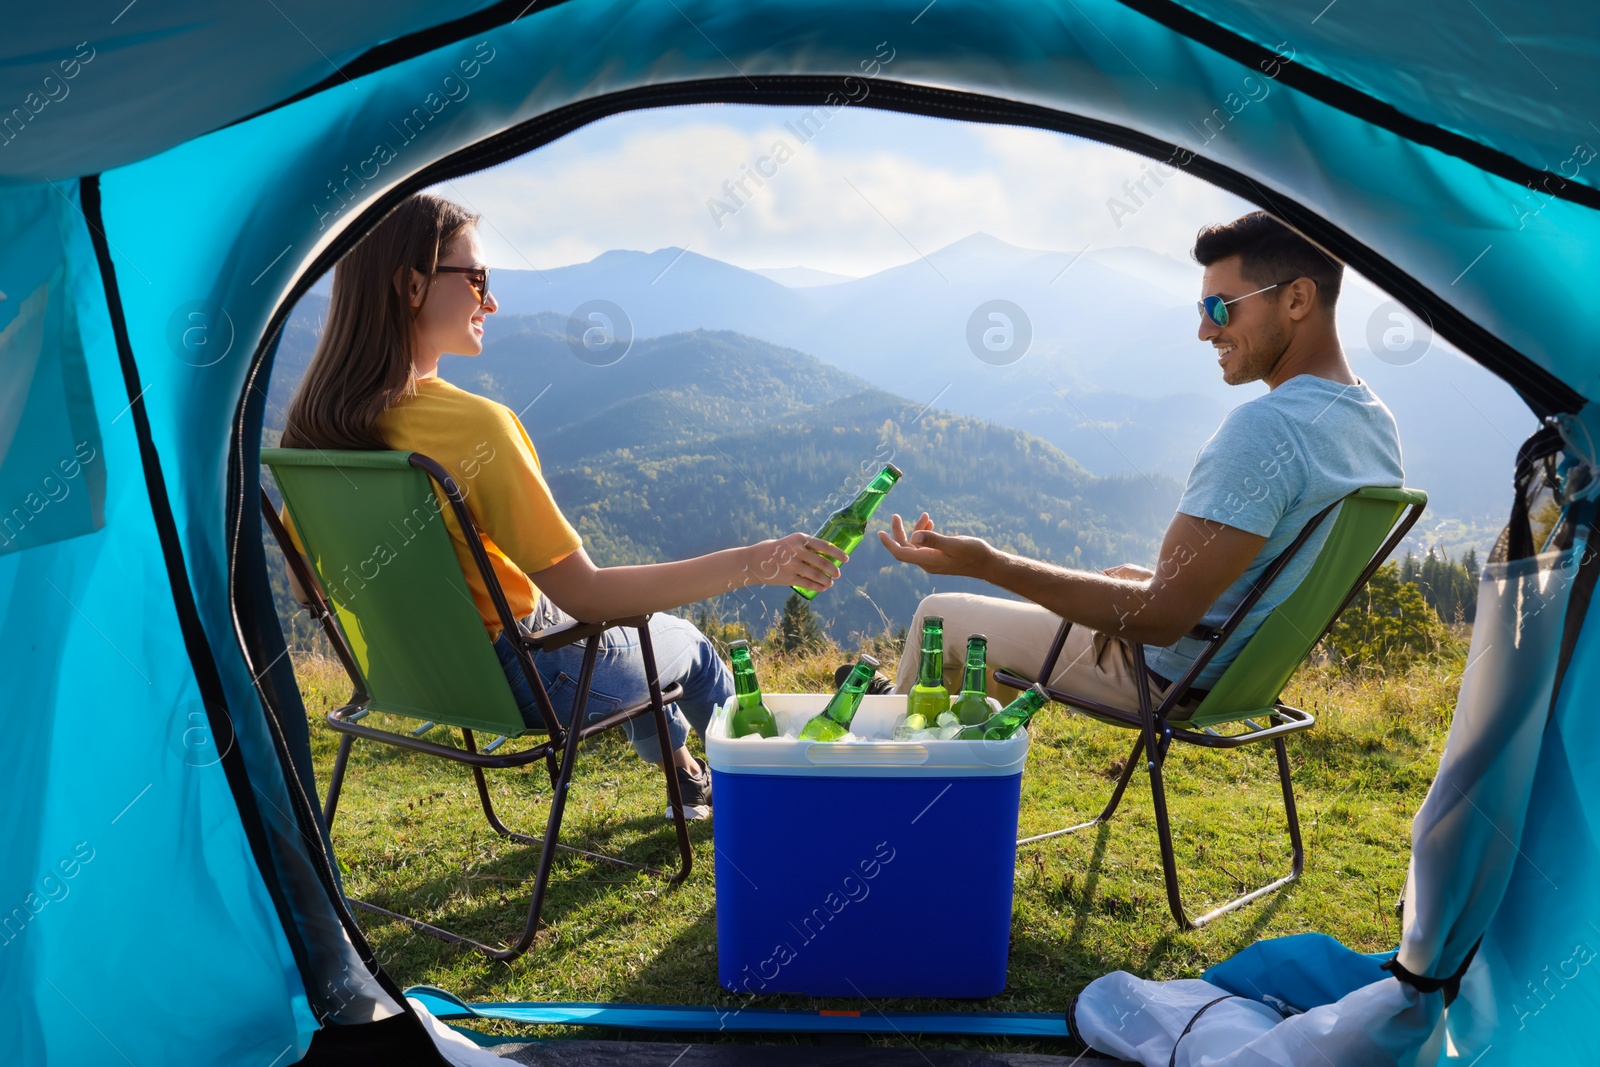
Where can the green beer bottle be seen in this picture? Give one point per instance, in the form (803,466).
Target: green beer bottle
(972,706)
(847,527)
(929,698)
(751,716)
(833,721)
(1013,717)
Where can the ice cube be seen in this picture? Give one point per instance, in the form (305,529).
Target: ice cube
(949,730)
(946,718)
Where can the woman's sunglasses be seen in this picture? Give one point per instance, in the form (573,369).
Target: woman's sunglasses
(478,278)
(1216,309)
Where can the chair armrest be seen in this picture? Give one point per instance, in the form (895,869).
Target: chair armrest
(568,633)
(1012,679)
(553,637)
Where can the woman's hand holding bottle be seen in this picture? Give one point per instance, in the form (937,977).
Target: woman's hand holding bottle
(797,559)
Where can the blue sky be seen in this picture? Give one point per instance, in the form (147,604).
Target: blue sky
(861,191)
(867,190)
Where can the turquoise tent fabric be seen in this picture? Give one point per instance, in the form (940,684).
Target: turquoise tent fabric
(1297,972)
(179,173)
(1516,79)
(111,785)
(97,91)
(745,1019)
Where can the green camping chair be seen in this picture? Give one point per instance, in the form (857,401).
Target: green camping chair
(405,626)
(1369,525)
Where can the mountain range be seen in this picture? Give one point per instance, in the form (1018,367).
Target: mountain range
(707,439)
(735,405)
(1113,374)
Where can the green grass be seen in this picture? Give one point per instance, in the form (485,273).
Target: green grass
(410,837)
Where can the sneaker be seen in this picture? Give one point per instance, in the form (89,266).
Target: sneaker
(695,789)
(877,685)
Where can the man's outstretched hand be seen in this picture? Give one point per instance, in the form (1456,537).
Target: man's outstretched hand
(935,553)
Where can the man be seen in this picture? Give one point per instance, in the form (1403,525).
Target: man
(1317,434)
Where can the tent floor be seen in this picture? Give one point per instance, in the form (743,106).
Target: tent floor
(566,1053)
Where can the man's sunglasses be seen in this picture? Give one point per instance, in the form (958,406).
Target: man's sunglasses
(1216,309)
(477,277)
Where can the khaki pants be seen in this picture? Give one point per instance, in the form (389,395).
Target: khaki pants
(1091,665)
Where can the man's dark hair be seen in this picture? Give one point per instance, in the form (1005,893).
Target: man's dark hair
(1270,252)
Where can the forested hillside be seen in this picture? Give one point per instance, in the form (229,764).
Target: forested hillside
(703,440)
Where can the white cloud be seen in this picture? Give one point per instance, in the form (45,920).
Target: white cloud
(643,180)
(868,190)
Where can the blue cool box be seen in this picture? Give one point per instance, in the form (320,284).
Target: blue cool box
(868,868)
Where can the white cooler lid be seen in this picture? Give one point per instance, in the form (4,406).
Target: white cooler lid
(876,755)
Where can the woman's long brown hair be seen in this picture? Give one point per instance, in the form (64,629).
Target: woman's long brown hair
(363,361)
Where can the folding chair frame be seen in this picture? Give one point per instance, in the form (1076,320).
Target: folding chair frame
(558,751)
(1156,731)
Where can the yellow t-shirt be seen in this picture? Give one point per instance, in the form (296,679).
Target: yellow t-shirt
(487,452)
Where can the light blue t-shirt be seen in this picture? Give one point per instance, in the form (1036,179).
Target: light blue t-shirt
(1274,463)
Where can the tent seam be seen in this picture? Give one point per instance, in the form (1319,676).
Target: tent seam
(1357,103)
(201,661)
(1183,21)
(418,43)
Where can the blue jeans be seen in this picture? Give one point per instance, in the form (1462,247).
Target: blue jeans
(683,655)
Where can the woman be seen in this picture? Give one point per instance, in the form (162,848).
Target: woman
(414,289)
